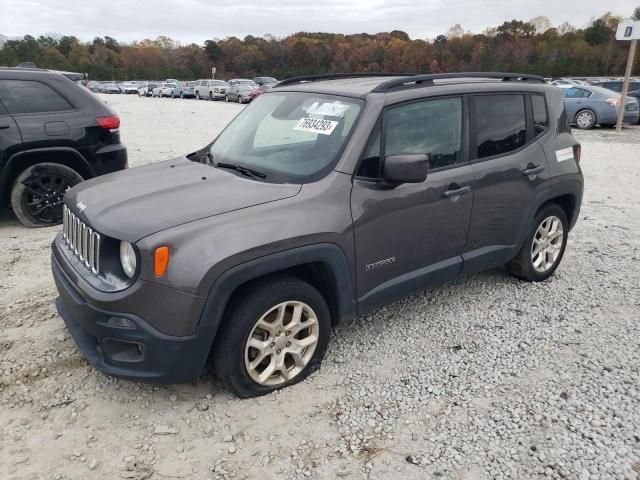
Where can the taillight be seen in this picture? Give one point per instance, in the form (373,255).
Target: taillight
(577,151)
(614,102)
(109,123)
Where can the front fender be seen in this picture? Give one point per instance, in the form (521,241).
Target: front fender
(230,280)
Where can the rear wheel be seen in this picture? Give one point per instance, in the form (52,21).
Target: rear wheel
(36,196)
(226,98)
(276,332)
(544,247)
(585,119)
(239,98)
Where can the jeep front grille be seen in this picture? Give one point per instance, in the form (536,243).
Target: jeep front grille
(83,241)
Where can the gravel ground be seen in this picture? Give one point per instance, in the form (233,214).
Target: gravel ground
(484,378)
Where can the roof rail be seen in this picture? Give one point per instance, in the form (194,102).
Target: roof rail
(427,80)
(336,76)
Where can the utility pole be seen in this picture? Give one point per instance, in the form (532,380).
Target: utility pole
(627,30)
(625,84)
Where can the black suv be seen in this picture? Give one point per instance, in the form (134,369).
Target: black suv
(324,199)
(54,133)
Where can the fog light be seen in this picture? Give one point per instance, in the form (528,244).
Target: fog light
(120,322)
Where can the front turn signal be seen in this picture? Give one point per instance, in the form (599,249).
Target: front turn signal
(161,261)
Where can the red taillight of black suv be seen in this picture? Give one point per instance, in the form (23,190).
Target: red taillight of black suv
(109,123)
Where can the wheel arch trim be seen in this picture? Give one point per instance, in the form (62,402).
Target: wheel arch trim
(229,281)
(11,168)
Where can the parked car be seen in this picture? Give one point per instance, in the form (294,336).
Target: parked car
(221,264)
(109,87)
(129,87)
(256,92)
(176,90)
(264,81)
(93,85)
(239,90)
(210,89)
(53,135)
(146,89)
(187,90)
(163,90)
(588,106)
(616,85)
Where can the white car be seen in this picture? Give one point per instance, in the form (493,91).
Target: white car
(163,90)
(129,87)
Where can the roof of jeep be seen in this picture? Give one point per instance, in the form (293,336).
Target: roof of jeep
(363,85)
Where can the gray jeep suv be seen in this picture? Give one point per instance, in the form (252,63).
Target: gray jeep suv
(327,197)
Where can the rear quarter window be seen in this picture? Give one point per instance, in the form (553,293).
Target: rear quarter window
(28,96)
(539,107)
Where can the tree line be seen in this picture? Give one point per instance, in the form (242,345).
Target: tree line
(533,46)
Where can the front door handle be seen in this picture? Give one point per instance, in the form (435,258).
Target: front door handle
(2,127)
(532,170)
(456,190)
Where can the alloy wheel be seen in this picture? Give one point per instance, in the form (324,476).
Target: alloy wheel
(281,343)
(585,119)
(44,196)
(547,244)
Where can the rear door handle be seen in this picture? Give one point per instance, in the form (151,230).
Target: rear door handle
(533,170)
(456,191)
(2,127)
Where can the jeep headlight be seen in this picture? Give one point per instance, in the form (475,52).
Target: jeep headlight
(128,259)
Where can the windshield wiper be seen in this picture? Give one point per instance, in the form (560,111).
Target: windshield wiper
(244,170)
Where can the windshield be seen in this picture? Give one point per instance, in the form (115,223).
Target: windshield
(289,137)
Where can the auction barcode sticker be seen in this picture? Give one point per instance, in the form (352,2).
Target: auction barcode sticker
(564,154)
(325,127)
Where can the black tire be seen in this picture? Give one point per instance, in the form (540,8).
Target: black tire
(181,95)
(172,95)
(240,99)
(226,98)
(42,186)
(245,309)
(585,113)
(210,96)
(522,265)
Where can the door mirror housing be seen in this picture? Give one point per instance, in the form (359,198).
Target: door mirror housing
(405,168)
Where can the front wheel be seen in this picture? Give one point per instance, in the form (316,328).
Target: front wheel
(544,246)
(36,196)
(240,99)
(275,333)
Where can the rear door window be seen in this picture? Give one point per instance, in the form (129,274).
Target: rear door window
(500,124)
(27,96)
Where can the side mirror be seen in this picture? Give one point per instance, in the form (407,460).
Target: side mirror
(405,168)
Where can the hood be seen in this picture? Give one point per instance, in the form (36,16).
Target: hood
(131,204)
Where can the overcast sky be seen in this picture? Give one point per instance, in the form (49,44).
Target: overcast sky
(197,20)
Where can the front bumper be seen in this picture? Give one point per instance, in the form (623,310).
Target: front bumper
(140,353)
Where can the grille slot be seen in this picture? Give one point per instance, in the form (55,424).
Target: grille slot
(82,240)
